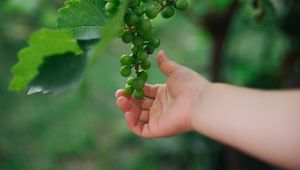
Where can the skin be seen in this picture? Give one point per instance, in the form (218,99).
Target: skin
(265,124)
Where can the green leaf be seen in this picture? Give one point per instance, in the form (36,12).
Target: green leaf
(110,31)
(42,44)
(85,17)
(58,73)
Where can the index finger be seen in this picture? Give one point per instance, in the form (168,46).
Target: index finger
(151,90)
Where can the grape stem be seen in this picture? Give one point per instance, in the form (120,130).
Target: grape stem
(162,7)
(136,67)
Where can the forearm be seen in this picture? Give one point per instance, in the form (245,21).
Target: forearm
(265,124)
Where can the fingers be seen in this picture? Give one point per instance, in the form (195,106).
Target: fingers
(120,93)
(124,102)
(131,120)
(146,104)
(137,126)
(144,118)
(137,111)
(150,90)
(129,105)
(166,66)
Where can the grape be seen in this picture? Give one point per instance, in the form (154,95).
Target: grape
(149,35)
(139,31)
(139,11)
(181,4)
(144,26)
(133,3)
(130,80)
(138,41)
(109,7)
(128,90)
(149,49)
(125,71)
(151,12)
(131,18)
(142,55)
(134,49)
(127,37)
(138,84)
(146,65)
(126,60)
(138,94)
(168,12)
(143,75)
(155,42)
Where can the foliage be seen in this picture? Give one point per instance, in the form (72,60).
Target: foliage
(42,44)
(81,21)
(81,130)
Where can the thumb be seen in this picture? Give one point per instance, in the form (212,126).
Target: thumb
(166,66)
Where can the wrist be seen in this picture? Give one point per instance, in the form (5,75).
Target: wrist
(202,98)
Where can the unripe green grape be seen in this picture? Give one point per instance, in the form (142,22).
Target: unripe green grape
(151,12)
(125,71)
(138,84)
(130,80)
(127,37)
(146,65)
(149,35)
(133,56)
(138,41)
(168,12)
(155,42)
(138,94)
(135,49)
(144,26)
(181,4)
(134,3)
(142,55)
(139,11)
(131,18)
(143,75)
(128,90)
(126,60)
(139,30)
(110,7)
(149,49)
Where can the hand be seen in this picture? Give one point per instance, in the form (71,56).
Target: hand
(167,108)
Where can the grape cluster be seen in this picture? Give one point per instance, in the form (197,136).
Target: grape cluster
(139,31)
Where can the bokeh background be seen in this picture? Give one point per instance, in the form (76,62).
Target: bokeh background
(252,43)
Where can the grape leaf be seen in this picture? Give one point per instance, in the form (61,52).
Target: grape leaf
(85,17)
(42,44)
(58,73)
(111,30)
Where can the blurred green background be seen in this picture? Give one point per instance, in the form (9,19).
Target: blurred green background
(248,43)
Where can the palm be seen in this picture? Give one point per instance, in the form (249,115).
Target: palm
(166,109)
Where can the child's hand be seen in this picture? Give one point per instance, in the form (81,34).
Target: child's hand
(264,124)
(167,108)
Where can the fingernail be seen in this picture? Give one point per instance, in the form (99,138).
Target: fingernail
(118,91)
(161,53)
